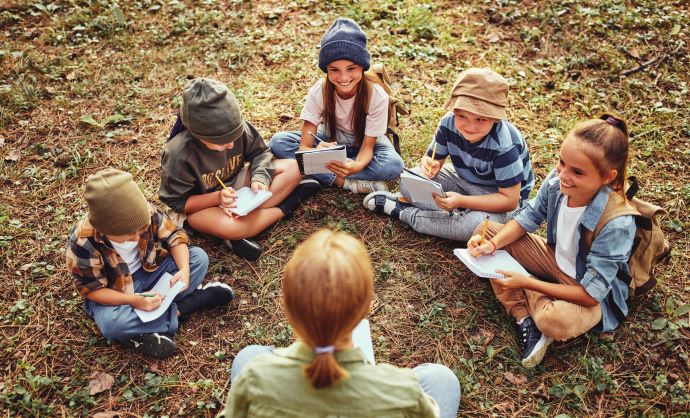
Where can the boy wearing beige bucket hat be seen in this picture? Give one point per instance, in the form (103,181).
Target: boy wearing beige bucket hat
(120,250)
(208,150)
(490,171)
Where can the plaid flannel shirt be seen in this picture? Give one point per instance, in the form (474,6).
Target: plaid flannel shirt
(95,264)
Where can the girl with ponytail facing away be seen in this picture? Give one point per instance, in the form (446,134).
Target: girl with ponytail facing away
(327,291)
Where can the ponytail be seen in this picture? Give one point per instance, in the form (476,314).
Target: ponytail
(327,288)
(324,371)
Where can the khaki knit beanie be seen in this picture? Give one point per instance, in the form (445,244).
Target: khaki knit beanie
(116,204)
(211,112)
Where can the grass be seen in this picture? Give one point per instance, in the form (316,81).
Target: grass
(91,83)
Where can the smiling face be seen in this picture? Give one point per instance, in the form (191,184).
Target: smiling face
(471,125)
(580,177)
(345,76)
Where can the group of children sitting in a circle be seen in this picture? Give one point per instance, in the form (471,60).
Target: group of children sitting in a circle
(124,245)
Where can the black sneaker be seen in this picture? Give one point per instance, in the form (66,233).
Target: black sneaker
(532,342)
(152,345)
(210,296)
(244,248)
(306,188)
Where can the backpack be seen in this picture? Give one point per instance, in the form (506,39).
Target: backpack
(649,246)
(377,74)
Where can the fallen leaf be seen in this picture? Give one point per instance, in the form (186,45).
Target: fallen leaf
(89,120)
(494,38)
(2,140)
(517,381)
(193,343)
(285,117)
(13,155)
(100,381)
(106,414)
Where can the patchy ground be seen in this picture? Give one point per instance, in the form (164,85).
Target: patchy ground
(87,84)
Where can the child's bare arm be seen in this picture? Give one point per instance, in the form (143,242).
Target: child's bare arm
(571,293)
(198,202)
(307,139)
(105,296)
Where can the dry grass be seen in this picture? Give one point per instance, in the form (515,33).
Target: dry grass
(65,60)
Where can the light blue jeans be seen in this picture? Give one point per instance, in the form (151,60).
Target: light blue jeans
(385,164)
(437,380)
(431,220)
(120,322)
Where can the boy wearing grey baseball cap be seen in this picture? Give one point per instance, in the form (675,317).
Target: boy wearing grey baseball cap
(204,163)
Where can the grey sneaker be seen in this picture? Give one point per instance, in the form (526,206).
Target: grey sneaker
(367,186)
(153,345)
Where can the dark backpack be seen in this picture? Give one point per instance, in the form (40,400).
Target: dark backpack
(649,246)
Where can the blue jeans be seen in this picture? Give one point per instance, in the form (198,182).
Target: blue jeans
(385,164)
(437,380)
(120,322)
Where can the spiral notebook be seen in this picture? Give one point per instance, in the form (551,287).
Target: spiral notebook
(314,161)
(169,293)
(420,189)
(247,200)
(486,265)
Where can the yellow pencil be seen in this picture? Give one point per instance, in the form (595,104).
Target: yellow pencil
(433,155)
(486,225)
(221,183)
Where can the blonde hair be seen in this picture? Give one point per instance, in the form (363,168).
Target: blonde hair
(327,289)
(609,134)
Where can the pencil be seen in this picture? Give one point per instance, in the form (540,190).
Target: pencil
(147,295)
(221,183)
(486,225)
(431,163)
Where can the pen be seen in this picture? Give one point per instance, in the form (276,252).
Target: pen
(486,225)
(147,295)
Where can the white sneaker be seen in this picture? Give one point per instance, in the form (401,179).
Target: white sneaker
(366,186)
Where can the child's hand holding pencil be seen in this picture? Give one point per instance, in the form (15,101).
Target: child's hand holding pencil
(227,196)
(430,166)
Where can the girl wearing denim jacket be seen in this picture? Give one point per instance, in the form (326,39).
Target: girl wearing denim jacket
(572,289)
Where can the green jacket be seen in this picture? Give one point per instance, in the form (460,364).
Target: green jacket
(274,385)
(189,168)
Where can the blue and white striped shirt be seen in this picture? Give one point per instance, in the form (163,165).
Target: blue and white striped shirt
(500,159)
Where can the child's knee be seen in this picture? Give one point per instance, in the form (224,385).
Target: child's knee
(491,229)
(554,324)
(198,265)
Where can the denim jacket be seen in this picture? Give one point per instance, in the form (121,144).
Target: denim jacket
(596,270)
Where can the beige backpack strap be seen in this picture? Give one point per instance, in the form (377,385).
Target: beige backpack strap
(615,207)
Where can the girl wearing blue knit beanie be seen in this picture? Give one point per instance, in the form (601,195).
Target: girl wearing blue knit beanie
(345,108)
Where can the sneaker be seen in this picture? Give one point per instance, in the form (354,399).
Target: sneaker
(152,345)
(366,186)
(384,203)
(306,188)
(532,342)
(244,248)
(211,295)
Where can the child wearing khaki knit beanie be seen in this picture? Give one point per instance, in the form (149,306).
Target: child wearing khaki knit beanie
(120,250)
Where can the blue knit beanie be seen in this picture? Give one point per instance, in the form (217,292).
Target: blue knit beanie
(344,40)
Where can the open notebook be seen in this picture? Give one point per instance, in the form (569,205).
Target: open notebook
(247,200)
(420,188)
(314,161)
(361,338)
(169,293)
(486,266)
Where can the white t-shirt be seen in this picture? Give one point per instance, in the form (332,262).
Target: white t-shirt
(129,251)
(568,236)
(377,119)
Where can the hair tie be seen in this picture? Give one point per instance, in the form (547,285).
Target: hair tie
(613,121)
(324,349)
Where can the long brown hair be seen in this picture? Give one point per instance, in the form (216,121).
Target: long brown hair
(361,107)
(608,133)
(327,289)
